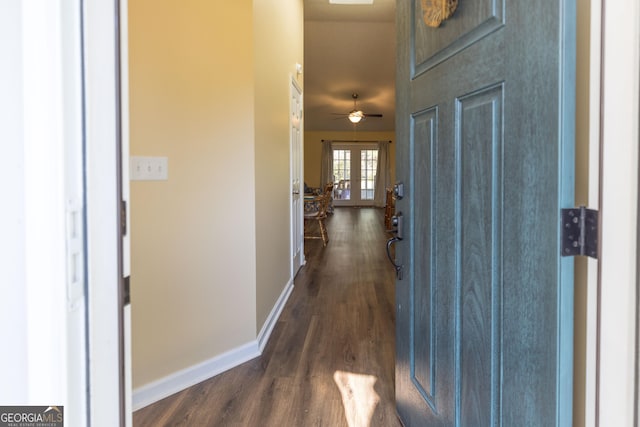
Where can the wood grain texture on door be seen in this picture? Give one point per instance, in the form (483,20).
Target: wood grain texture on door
(485,148)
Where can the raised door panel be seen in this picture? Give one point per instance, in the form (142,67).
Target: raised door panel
(478,343)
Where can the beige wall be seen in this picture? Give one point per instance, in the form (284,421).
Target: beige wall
(193,251)
(313,148)
(278,44)
(210,84)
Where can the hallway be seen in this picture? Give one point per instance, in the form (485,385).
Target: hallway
(330,358)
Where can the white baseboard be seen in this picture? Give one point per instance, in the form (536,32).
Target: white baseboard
(178,381)
(267,328)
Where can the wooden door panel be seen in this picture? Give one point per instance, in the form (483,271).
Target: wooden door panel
(472,21)
(423,360)
(479,254)
(485,139)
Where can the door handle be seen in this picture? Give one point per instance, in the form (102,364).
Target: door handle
(398,222)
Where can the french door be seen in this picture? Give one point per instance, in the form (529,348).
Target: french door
(354,174)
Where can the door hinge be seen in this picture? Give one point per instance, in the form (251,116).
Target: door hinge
(580,232)
(123,217)
(126,291)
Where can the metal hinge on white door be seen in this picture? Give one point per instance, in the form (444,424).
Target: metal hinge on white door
(580,232)
(75,253)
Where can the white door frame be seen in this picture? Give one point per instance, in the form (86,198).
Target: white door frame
(615,358)
(125,362)
(42,250)
(103,245)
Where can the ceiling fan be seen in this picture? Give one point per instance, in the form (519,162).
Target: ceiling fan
(356,116)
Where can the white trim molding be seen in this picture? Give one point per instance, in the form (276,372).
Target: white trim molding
(619,214)
(181,380)
(178,381)
(270,323)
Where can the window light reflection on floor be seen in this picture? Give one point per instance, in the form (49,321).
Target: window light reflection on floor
(358,397)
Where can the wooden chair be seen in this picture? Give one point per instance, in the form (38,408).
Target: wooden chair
(328,190)
(316,210)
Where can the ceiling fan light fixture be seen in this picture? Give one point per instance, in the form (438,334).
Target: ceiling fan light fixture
(356,116)
(350,1)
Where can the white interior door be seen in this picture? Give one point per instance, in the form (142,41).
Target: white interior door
(296,156)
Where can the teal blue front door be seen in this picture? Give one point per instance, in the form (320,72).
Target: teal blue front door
(485,132)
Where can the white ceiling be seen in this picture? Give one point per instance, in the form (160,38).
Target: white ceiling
(349,49)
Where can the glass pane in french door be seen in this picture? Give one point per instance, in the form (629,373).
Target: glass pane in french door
(368,166)
(342,174)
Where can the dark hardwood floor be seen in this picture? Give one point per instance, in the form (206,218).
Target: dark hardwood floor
(330,358)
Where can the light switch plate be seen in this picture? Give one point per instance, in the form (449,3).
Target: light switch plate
(149,168)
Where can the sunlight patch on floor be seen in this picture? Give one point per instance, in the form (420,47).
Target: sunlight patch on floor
(358,397)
